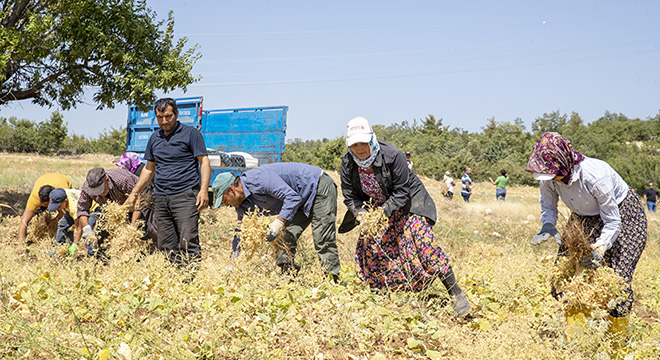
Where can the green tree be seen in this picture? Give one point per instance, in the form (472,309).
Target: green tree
(53,49)
(25,137)
(553,122)
(52,134)
(111,141)
(6,135)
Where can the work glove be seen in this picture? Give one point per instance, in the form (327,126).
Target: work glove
(274,229)
(87,232)
(546,232)
(595,259)
(72,248)
(592,260)
(360,213)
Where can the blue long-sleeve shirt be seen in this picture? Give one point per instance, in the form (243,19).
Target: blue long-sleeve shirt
(280,189)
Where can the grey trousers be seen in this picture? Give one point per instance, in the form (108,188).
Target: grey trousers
(177,221)
(322,218)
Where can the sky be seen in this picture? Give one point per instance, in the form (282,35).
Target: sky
(393,61)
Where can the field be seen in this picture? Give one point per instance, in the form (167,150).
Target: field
(141,308)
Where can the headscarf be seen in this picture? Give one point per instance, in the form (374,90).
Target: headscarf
(554,154)
(129,161)
(366,163)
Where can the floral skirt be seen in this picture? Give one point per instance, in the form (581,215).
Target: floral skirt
(405,256)
(624,254)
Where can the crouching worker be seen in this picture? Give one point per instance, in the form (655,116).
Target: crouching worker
(65,202)
(406,255)
(609,210)
(38,200)
(103,186)
(300,195)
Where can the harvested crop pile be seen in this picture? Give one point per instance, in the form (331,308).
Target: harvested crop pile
(372,222)
(253,231)
(584,289)
(38,229)
(124,238)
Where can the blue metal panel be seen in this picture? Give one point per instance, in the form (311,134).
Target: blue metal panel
(258,131)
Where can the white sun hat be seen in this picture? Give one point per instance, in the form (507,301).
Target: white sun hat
(358,131)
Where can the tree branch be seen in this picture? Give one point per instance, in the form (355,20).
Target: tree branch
(11,95)
(16,13)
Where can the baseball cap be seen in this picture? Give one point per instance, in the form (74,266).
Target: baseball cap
(96,181)
(539,176)
(358,131)
(56,197)
(220,185)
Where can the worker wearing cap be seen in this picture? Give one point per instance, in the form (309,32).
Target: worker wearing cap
(408,161)
(38,199)
(300,195)
(65,202)
(102,186)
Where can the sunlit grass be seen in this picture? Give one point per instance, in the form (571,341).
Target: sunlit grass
(61,307)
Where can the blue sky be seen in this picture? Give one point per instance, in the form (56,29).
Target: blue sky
(390,61)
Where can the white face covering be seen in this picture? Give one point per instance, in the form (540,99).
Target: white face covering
(366,163)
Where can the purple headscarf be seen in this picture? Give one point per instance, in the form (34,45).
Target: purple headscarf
(129,161)
(553,154)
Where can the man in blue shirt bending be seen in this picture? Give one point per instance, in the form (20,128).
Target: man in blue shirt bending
(175,154)
(300,195)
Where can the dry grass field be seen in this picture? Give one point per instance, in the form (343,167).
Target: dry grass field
(63,307)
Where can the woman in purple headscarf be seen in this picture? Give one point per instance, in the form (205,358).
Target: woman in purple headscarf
(609,210)
(131,162)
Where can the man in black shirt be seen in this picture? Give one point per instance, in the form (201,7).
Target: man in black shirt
(651,197)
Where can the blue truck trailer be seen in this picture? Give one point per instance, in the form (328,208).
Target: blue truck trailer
(258,131)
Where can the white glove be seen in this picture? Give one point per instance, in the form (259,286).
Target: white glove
(274,229)
(548,230)
(600,247)
(87,232)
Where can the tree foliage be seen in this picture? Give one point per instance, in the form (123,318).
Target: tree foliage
(630,146)
(51,137)
(53,49)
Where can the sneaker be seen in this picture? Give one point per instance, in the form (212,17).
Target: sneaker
(462,306)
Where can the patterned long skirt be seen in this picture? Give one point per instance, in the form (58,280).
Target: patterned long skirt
(622,257)
(405,256)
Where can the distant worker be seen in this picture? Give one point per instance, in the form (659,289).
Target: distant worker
(466,185)
(449,184)
(408,161)
(651,196)
(500,182)
(300,195)
(39,199)
(178,162)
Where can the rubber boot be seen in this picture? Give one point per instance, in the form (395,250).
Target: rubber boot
(577,316)
(576,319)
(617,331)
(461,304)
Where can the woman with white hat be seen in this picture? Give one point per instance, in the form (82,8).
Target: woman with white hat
(406,256)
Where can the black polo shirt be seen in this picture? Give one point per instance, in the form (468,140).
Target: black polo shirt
(177,168)
(650,194)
